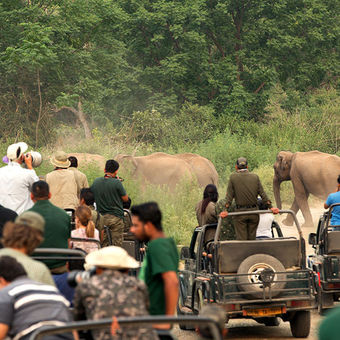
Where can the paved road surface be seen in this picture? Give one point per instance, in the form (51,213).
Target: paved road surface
(250,329)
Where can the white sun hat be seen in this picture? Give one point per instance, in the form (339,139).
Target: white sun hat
(15,151)
(110,257)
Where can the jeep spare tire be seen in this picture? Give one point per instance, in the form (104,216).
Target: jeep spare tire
(260,270)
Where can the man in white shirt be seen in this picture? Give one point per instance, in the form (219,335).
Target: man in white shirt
(15,181)
(264,228)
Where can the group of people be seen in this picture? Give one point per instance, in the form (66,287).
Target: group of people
(37,213)
(246,189)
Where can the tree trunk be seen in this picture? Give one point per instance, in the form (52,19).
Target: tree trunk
(40,111)
(81,117)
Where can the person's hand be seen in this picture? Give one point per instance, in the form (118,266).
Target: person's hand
(28,161)
(275,210)
(223,214)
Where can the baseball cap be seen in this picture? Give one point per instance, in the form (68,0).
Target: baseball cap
(241,163)
(31,219)
(14,151)
(110,257)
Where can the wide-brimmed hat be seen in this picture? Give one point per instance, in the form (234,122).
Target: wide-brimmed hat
(110,257)
(15,151)
(60,160)
(31,219)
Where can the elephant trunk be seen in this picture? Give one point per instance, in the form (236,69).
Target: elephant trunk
(276,189)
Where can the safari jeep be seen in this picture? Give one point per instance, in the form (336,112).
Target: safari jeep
(260,279)
(326,261)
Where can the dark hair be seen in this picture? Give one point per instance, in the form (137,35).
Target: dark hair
(40,189)
(339,179)
(10,268)
(21,236)
(74,162)
(111,166)
(87,195)
(262,205)
(210,194)
(148,212)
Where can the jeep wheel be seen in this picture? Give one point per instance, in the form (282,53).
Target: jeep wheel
(324,300)
(262,269)
(300,324)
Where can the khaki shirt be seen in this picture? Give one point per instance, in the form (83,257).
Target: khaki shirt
(245,187)
(63,188)
(209,216)
(81,179)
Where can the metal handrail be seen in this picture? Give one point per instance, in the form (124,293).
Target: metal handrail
(52,254)
(130,321)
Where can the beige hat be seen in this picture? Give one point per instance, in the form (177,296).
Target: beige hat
(60,160)
(15,151)
(31,219)
(110,257)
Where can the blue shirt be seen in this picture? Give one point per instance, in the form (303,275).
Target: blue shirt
(332,199)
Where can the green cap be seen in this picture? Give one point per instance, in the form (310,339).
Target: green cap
(31,219)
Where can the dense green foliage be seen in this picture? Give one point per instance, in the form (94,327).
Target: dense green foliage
(113,58)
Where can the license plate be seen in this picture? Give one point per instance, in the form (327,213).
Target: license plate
(263,311)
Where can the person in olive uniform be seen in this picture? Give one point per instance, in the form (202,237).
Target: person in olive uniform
(245,187)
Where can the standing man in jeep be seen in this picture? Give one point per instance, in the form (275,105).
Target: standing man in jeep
(244,187)
(109,195)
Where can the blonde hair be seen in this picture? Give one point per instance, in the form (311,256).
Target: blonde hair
(84,215)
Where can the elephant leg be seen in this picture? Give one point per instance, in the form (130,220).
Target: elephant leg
(301,196)
(289,220)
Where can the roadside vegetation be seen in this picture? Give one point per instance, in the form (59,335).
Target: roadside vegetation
(220,78)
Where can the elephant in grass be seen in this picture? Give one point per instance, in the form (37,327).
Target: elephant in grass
(310,172)
(163,169)
(203,168)
(158,168)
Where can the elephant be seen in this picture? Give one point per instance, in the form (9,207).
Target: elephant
(311,172)
(158,168)
(203,169)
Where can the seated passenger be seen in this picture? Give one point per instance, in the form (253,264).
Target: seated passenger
(264,228)
(20,240)
(26,305)
(111,292)
(205,209)
(84,229)
(333,199)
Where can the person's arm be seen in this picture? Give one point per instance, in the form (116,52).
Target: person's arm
(125,198)
(170,281)
(3,331)
(328,202)
(230,194)
(79,312)
(326,206)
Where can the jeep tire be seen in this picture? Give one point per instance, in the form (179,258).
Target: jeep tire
(253,266)
(300,324)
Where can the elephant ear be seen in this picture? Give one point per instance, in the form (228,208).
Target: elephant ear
(285,160)
(130,159)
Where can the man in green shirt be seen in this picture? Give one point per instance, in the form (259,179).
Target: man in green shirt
(57,227)
(109,195)
(160,266)
(245,187)
(330,326)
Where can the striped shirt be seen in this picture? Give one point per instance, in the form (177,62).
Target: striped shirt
(24,303)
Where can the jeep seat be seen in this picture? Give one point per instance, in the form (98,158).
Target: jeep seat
(333,239)
(230,254)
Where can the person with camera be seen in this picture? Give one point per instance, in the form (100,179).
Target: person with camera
(109,195)
(16,181)
(111,292)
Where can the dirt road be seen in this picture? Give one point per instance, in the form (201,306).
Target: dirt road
(249,329)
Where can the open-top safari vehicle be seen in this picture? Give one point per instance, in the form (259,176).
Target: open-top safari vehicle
(326,261)
(259,279)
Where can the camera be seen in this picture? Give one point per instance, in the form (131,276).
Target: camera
(76,276)
(36,158)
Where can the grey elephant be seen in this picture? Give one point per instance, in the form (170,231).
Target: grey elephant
(310,172)
(158,168)
(203,168)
